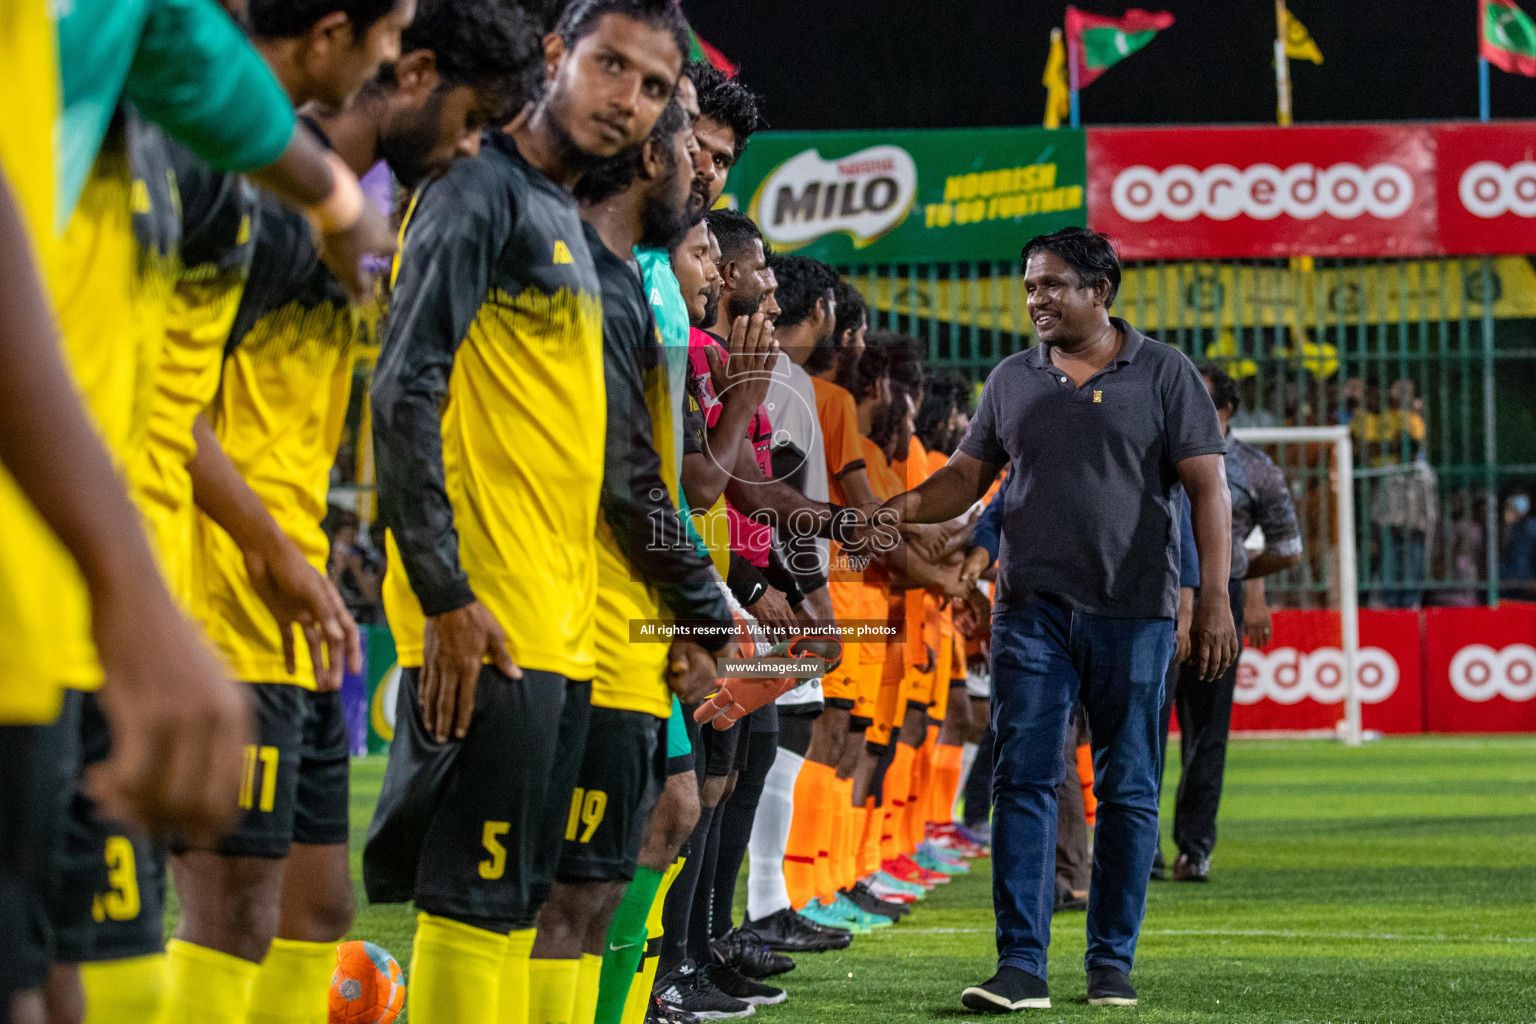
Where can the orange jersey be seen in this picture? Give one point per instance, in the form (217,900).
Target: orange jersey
(840,438)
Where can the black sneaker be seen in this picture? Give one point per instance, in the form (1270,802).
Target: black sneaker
(866,900)
(738,986)
(787,932)
(687,988)
(750,957)
(1110,986)
(1011,988)
(659,1012)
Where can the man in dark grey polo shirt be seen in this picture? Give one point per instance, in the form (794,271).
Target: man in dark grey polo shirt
(1102,425)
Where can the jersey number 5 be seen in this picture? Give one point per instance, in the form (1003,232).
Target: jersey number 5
(494,866)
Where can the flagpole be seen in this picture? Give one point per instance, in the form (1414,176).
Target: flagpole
(1282,69)
(1072,80)
(1482,89)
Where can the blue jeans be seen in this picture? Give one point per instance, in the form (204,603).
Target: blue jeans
(1045,658)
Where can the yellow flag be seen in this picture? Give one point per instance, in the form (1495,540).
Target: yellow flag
(1058,104)
(1299,44)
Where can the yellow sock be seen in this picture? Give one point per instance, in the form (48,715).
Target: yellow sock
(294,984)
(456,972)
(551,991)
(125,991)
(206,986)
(645,979)
(589,972)
(514,978)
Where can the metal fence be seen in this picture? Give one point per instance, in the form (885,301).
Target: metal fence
(1432,363)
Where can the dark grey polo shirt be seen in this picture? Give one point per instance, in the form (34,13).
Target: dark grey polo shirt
(1091,509)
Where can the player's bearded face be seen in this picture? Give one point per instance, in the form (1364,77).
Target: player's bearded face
(712,163)
(608,91)
(697,277)
(669,210)
(422,141)
(746,296)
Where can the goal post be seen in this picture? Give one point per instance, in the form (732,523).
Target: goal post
(1342,447)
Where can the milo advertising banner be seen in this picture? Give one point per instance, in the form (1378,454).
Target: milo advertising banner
(911,196)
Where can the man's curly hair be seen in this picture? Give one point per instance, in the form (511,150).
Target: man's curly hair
(726,101)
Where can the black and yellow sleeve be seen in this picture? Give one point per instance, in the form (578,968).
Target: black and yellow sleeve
(444,278)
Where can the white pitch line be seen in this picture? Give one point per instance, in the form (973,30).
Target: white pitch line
(1266,933)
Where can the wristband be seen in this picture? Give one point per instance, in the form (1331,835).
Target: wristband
(841,524)
(343,208)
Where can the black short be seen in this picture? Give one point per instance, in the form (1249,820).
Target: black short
(29,817)
(621,777)
(472,828)
(109,900)
(839,703)
(296,786)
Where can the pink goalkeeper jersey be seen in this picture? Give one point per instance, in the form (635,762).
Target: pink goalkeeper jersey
(748,538)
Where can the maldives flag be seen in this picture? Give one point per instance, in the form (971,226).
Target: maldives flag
(1508,37)
(702,50)
(1097,42)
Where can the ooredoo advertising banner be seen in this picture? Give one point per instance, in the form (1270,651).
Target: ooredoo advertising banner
(910,196)
(1487,187)
(1212,193)
(1297,682)
(1482,668)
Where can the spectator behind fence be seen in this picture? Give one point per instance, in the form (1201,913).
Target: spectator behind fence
(1404,497)
(1517,555)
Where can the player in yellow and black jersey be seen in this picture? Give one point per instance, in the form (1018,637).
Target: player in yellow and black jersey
(648,571)
(489,435)
(185,65)
(276,423)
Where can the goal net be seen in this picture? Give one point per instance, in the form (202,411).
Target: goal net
(1319,463)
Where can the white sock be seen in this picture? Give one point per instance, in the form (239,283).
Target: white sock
(766,892)
(967,759)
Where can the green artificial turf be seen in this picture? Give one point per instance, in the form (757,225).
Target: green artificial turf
(1391,883)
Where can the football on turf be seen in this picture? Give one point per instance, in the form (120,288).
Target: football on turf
(367,986)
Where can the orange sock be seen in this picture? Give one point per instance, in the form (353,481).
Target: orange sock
(837,838)
(869,846)
(858,821)
(1085,773)
(898,784)
(844,866)
(824,837)
(805,830)
(917,802)
(946,783)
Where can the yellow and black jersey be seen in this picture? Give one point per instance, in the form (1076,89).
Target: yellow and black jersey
(116,267)
(488,413)
(218,211)
(279,414)
(34,566)
(647,566)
